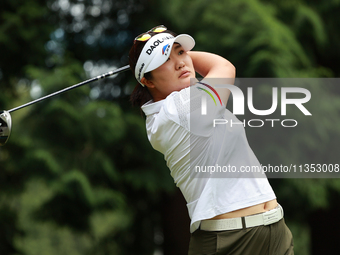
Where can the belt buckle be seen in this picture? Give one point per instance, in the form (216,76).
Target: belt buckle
(271,216)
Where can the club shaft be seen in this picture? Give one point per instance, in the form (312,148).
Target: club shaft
(119,70)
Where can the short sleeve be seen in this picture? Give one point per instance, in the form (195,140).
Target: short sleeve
(206,107)
(195,108)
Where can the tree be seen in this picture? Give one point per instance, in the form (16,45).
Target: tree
(79,170)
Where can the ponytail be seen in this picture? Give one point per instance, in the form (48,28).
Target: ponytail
(140,95)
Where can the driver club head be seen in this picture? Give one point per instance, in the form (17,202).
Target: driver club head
(5,127)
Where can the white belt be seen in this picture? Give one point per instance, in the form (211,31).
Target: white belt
(265,218)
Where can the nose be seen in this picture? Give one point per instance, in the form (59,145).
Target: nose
(179,64)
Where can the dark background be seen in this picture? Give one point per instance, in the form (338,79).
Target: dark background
(78,175)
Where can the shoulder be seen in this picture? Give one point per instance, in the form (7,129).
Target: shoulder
(176,107)
(185,107)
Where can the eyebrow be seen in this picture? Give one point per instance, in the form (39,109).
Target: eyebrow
(177,45)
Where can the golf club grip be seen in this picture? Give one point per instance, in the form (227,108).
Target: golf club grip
(99,77)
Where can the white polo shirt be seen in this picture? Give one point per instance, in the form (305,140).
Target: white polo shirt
(199,154)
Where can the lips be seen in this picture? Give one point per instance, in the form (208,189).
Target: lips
(184,74)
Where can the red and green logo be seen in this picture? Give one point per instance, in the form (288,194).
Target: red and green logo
(209,93)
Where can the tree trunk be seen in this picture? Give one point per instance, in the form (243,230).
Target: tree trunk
(176,224)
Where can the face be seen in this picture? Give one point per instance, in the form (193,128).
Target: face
(173,75)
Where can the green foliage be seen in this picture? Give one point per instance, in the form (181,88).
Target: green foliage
(24,29)
(8,219)
(79,176)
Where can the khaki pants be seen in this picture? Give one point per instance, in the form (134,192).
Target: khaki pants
(274,239)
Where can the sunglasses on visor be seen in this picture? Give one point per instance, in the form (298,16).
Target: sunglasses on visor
(146,36)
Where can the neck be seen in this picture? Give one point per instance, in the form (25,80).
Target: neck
(156,95)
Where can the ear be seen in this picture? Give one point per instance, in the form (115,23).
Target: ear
(147,83)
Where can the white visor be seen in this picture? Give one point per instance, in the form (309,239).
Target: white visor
(157,51)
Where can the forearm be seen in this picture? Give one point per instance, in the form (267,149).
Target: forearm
(213,66)
(210,65)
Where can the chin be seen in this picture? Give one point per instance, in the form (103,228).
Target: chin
(187,83)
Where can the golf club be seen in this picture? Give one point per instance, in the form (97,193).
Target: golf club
(5,117)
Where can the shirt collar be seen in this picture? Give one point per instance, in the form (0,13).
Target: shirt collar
(152,107)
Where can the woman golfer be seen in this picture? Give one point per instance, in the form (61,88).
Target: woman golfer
(231,212)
